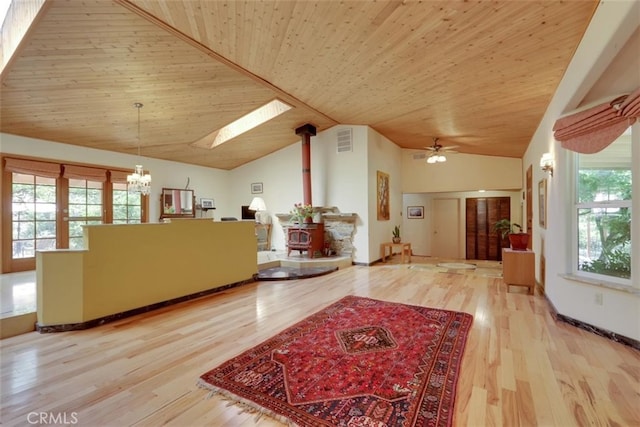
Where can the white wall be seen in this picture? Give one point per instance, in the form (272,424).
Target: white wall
(461,172)
(384,156)
(206,182)
(420,231)
(610,28)
(345,180)
(281,175)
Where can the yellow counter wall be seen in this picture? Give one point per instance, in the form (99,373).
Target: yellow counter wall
(130,266)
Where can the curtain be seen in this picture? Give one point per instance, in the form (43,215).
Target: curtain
(119,176)
(84,172)
(32,167)
(592,130)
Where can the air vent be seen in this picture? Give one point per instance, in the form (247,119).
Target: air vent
(419,156)
(345,141)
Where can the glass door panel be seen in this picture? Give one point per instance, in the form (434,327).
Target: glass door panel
(127,207)
(33,208)
(85,207)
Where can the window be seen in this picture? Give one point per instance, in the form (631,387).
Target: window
(51,202)
(33,213)
(85,207)
(603,211)
(127,208)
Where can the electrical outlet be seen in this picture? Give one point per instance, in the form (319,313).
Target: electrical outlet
(598,298)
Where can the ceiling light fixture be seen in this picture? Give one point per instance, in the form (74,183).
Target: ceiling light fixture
(139,182)
(436,159)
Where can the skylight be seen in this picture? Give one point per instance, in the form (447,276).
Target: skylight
(4,8)
(244,124)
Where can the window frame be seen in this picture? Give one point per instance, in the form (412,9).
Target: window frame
(9,264)
(576,206)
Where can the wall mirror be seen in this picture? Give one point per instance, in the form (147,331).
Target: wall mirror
(176,203)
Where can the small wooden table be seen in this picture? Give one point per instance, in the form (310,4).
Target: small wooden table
(404,248)
(518,269)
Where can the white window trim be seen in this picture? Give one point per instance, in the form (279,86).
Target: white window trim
(634,203)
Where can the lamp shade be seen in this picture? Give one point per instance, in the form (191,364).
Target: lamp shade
(257,204)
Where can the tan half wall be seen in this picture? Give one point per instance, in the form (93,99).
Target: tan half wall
(125,267)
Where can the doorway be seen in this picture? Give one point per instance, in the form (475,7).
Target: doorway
(482,241)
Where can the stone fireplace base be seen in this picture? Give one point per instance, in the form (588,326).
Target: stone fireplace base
(339,229)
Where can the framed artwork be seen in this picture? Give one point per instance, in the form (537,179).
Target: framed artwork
(415,212)
(382,190)
(542,202)
(256,188)
(206,203)
(543,264)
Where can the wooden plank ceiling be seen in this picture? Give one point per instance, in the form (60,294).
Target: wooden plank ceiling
(475,74)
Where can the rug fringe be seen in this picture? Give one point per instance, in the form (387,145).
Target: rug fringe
(245,405)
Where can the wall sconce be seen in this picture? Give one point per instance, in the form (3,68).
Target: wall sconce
(546,163)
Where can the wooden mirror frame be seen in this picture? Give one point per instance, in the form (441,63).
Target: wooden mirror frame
(168,198)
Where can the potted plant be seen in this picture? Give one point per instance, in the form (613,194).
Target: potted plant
(396,234)
(302,213)
(518,240)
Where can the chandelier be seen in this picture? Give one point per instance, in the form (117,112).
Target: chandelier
(139,182)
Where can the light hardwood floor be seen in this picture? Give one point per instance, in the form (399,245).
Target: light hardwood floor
(520,367)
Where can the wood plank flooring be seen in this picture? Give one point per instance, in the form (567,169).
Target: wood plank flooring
(520,367)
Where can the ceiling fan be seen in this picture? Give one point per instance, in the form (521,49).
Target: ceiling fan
(438,151)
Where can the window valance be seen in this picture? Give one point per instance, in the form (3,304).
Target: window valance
(32,167)
(84,172)
(119,176)
(593,129)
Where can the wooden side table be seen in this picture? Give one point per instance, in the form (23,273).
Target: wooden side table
(518,268)
(405,248)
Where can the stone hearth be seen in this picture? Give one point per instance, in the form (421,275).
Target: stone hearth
(339,228)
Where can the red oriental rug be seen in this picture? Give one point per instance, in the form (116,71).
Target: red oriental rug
(358,363)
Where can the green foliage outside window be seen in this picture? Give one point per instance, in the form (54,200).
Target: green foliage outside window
(604,221)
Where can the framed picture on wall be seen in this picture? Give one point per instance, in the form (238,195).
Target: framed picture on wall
(415,212)
(382,191)
(256,188)
(206,204)
(542,202)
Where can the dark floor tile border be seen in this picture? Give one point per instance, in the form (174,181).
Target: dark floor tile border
(593,329)
(292,273)
(45,329)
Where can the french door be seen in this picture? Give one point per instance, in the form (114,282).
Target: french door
(33,218)
(46,207)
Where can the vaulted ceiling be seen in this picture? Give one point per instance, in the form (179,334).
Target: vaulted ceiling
(475,74)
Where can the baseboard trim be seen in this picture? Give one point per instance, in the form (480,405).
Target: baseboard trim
(45,329)
(17,325)
(593,329)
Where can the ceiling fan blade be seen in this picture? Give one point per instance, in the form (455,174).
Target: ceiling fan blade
(450,147)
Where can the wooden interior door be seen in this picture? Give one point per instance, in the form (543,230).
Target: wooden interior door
(482,242)
(529,201)
(446,226)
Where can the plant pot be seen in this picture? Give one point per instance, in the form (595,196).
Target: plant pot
(308,220)
(396,240)
(519,241)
